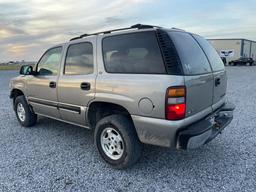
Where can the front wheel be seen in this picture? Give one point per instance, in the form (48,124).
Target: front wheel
(117,141)
(24,113)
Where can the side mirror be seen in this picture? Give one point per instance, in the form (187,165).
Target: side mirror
(26,70)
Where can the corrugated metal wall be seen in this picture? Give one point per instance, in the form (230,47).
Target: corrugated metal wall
(246,48)
(253,51)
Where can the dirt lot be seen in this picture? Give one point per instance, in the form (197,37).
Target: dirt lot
(54,156)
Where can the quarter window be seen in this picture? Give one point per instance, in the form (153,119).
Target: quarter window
(50,62)
(79,59)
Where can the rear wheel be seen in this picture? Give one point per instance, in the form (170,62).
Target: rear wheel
(117,141)
(24,113)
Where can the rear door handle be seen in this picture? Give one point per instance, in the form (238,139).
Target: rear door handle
(52,84)
(217,82)
(85,86)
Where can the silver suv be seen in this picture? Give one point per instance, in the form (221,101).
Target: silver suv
(142,84)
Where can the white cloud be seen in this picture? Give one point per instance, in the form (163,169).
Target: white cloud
(42,23)
(50,22)
(231,20)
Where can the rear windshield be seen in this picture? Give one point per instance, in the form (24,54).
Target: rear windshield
(133,53)
(192,57)
(211,53)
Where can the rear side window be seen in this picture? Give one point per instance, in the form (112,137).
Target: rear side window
(79,59)
(133,53)
(211,53)
(192,57)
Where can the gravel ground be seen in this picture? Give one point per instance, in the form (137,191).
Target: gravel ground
(54,156)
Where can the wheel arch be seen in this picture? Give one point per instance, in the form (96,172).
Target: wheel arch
(99,109)
(15,93)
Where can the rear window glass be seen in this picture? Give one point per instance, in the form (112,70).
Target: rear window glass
(133,53)
(191,55)
(211,53)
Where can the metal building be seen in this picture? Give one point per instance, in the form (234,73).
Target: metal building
(233,49)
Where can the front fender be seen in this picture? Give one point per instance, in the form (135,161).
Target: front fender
(17,84)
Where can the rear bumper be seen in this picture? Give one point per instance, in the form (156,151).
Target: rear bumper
(183,134)
(206,129)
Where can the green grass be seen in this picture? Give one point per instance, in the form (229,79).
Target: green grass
(9,67)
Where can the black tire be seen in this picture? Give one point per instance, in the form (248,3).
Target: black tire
(132,145)
(30,117)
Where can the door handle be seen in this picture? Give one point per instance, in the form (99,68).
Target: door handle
(85,86)
(52,84)
(217,82)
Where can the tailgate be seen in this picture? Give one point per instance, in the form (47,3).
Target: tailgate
(199,93)
(198,73)
(219,73)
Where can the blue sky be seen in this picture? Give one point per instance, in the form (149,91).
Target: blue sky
(29,27)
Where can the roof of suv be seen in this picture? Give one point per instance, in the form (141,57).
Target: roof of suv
(133,28)
(127,29)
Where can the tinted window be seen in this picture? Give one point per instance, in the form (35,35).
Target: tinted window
(133,53)
(49,63)
(79,59)
(191,55)
(211,53)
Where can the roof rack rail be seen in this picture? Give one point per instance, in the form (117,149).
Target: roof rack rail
(178,29)
(136,26)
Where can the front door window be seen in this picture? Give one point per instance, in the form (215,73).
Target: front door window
(49,63)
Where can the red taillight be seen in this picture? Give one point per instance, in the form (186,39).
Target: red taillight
(175,112)
(175,103)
